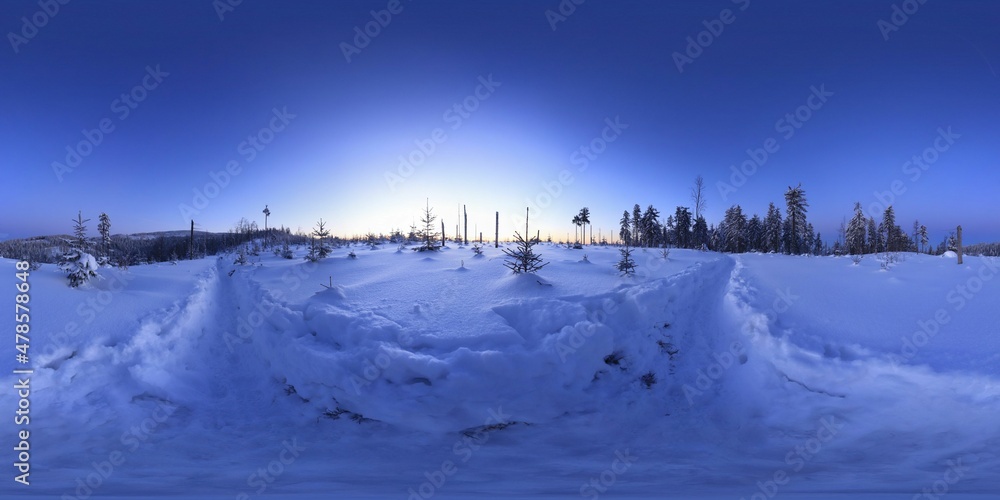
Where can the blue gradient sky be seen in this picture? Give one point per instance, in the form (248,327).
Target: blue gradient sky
(557,88)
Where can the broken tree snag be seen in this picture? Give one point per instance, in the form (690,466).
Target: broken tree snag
(959,245)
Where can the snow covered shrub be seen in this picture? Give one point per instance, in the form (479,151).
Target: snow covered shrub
(856,259)
(80,266)
(648,380)
(335,413)
(286,251)
(477,249)
(887,259)
(665,253)
(352,255)
(126,259)
(613,359)
(668,348)
(884,261)
(241,258)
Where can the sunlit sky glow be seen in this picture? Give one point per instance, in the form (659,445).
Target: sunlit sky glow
(557,89)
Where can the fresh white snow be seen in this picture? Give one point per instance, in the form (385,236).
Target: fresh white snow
(419,374)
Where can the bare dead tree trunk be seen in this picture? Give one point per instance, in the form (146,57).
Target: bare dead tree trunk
(496,241)
(443,236)
(698,196)
(191,244)
(959,245)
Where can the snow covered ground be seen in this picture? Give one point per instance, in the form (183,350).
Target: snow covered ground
(441,374)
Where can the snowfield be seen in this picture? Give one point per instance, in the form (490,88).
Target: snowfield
(415,375)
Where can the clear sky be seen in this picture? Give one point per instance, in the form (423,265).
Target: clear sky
(315,128)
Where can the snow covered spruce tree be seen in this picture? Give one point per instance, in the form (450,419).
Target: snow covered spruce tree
(79,265)
(625,233)
(699,234)
(626,265)
(104,228)
(857,243)
(808,238)
(732,230)
(427,233)
(682,228)
(755,234)
(872,244)
(523,258)
(317,244)
(650,223)
(772,229)
(795,220)
(894,240)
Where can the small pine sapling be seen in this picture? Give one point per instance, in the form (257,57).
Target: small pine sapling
(626,265)
(523,259)
(79,265)
(318,249)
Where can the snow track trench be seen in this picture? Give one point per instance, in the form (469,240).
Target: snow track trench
(650,345)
